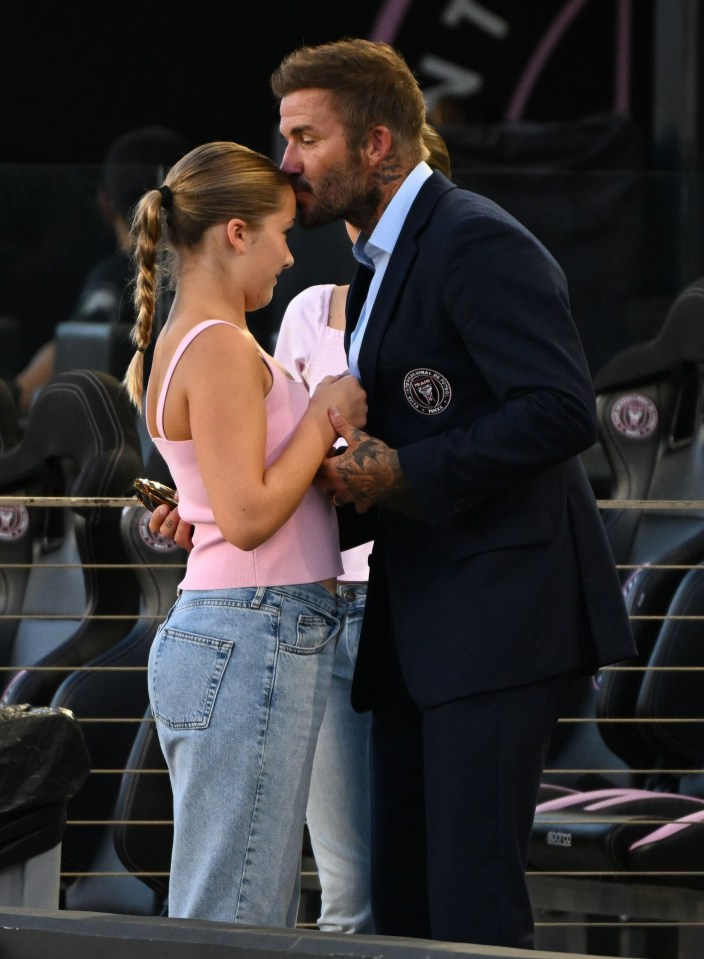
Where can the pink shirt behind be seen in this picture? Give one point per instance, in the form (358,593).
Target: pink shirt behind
(311,350)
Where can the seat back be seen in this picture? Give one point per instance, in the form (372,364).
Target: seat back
(18,533)
(649,405)
(618,829)
(93,346)
(671,693)
(650,402)
(144,812)
(112,693)
(649,709)
(80,440)
(649,399)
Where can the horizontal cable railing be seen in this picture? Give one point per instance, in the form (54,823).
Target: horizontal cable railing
(548,913)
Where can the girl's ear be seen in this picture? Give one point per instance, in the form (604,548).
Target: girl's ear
(237,234)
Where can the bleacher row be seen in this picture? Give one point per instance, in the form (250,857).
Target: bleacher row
(618,843)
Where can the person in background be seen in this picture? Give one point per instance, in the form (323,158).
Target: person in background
(492,585)
(135,161)
(310,345)
(239,671)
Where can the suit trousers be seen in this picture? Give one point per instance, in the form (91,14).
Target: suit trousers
(454,789)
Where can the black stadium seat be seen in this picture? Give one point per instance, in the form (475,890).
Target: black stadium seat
(80,440)
(113,694)
(648,712)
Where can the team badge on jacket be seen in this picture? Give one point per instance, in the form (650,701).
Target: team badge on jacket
(427,391)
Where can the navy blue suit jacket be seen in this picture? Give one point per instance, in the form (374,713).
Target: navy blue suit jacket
(475,373)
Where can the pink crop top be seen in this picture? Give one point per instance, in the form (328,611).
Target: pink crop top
(304,550)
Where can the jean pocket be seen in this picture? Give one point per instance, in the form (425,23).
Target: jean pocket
(311,633)
(185,673)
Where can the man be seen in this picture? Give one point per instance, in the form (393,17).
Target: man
(492,585)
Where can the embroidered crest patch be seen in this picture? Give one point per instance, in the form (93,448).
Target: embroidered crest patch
(634,415)
(427,391)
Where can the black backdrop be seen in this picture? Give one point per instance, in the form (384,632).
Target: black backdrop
(76,75)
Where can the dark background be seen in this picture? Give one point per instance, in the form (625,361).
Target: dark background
(76,76)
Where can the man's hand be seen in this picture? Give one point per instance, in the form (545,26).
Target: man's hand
(364,473)
(166,522)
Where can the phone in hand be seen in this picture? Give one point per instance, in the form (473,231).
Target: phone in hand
(152,494)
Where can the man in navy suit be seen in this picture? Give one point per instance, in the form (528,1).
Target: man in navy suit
(492,585)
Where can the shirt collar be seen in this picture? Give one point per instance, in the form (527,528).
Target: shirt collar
(369,249)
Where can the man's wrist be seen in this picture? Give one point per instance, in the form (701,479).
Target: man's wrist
(400,498)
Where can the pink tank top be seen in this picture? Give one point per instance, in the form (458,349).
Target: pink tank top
(304,550)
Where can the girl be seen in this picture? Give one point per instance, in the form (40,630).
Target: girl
(239,671)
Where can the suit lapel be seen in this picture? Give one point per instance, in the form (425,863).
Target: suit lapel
(401,262)
(356,295)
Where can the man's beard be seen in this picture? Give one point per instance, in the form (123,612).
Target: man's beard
(342,194)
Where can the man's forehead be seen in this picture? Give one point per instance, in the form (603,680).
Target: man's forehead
(310,108)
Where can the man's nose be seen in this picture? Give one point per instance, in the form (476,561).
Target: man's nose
(289,162)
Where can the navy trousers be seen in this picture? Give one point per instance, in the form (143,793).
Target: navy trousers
(454,789)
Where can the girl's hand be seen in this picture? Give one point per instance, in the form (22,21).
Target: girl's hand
(344,392)
(167,523)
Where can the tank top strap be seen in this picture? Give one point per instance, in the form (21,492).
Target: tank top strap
(178,353)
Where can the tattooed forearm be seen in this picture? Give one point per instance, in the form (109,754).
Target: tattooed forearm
(369,472)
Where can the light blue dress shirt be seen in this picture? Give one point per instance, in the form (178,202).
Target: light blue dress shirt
(375,251)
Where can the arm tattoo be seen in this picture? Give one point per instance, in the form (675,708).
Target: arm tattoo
(371,473)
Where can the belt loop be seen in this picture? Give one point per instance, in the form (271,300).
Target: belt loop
(258,597)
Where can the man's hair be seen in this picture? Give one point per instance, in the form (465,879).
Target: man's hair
(136,161)
(370,83)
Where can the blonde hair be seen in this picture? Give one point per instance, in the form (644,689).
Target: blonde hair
(438,154)
(212,184)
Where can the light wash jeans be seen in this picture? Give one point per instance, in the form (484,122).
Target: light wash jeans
(238,682)
(338,805)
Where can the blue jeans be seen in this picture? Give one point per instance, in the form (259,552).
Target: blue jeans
(338,805)
(238,681)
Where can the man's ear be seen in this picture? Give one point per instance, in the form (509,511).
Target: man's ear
(237,234)
(379,144)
